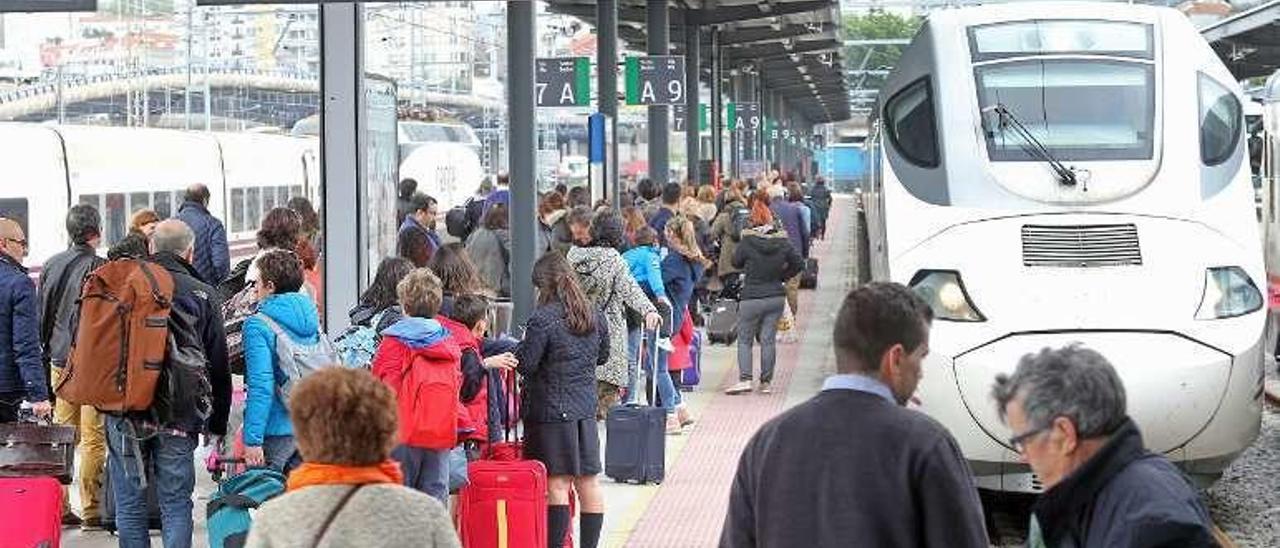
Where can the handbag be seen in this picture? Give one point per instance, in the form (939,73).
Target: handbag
(788,320)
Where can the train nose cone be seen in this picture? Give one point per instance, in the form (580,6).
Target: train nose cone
(1173,385)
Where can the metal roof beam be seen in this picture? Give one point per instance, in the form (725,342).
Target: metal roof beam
(731,14)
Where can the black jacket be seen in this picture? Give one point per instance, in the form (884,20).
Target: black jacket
(768,260)
(20,369)
(1124,496)
(213,257)
(559,366)
(201,301)
(60,283)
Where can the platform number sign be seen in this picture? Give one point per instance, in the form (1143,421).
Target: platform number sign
(563,82)
(744,117)
(24,6)
(655,80)
(680,117)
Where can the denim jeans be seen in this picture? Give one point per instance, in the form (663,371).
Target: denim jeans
(668,396)
(281,453)
(171,459)
(426,470)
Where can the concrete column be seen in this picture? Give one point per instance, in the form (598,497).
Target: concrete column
(659,36)
(692,68)
(341,89)
(521,45)
(607,84)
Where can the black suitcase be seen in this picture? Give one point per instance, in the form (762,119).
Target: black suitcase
(107,504)
(809,278)
(29,449)
(635,438)
(722,322)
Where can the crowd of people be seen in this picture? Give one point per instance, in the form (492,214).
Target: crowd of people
(440,389)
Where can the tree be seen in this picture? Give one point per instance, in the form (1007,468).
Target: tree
(876,24)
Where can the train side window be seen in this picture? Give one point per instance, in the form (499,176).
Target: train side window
(283,193)
(296,191)
(1220,122)
(115,218)
(253,208)
(911,125)
(162,203)
(236,207)
(269,199)
(91,200)
(16,209)
(139,200)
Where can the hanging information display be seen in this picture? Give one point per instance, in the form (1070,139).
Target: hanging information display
(655,80)
(563,81)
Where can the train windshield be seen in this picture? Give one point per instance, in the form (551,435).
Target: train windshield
(1079,109)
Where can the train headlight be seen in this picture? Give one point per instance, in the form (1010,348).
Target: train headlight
(945,293)
(1228,292)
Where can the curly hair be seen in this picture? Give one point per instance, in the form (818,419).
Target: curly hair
(607,230)
(282,268)
(280,229)
(324,407)
(382,292)
(458,275)
(420,294)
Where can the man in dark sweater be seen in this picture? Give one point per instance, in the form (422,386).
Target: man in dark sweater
(852,467)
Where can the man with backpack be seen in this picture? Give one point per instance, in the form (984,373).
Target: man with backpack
(60,283)
(192,396)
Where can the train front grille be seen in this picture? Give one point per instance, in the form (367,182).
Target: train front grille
(1080,246)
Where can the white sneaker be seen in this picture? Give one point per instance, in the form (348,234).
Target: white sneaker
(741,388)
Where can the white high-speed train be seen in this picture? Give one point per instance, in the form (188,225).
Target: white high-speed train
(1046,174)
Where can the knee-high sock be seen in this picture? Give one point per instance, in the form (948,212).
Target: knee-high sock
(589,529)
(557,523)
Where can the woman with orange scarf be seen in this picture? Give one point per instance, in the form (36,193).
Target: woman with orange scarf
(348,491)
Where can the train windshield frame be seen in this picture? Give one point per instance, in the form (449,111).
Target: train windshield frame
(1080,109)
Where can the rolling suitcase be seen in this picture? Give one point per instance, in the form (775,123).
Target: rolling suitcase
(32,512)
(504,505)
(809,277)
(635,434)
(722,322)
(692,375)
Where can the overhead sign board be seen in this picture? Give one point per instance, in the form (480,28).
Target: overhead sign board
(680,118)
(29,6)
(744,117)
(563,82)
(655,80)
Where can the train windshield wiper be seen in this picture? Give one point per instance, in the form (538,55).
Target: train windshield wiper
(1032,145)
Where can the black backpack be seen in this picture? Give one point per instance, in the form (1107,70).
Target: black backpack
(184,395)
(741,219)
(462,220)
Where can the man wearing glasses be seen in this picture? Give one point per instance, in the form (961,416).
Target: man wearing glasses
(1066,408)
(22,375)
(852,466)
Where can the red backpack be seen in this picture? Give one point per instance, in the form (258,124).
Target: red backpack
(474,416)
(427,400)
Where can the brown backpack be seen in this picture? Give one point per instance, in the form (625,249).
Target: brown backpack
(121,332)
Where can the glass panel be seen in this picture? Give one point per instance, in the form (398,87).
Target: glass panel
(1056,37)
(268,199)
(114,219)
(1079,110)
(253,208)
(16,209)
(297,191)
(139,200)
(1219,122)
(162,203)
(236,207)
(911,124)
(92,199)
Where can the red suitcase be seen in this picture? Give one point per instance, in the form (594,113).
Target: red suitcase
(32,512)
(504,505)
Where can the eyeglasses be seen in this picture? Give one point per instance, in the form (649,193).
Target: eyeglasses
(1018,442)
(18,241)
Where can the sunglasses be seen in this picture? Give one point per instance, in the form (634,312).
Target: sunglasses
(18,241)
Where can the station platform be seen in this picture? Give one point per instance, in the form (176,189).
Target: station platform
(688,508)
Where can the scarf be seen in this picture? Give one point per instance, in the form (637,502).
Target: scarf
(311,474)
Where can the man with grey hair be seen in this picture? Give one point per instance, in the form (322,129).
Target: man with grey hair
(852,466)
(185,405)
(1066,408)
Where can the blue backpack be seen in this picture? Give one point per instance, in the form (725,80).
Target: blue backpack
(228,514)
(357,345)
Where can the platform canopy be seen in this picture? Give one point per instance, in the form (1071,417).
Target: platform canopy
(792,44)
(1249,41)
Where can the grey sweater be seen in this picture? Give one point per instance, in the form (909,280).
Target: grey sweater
(849,468)
(384,515)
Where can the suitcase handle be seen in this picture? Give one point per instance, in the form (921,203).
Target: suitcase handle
(653,371)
